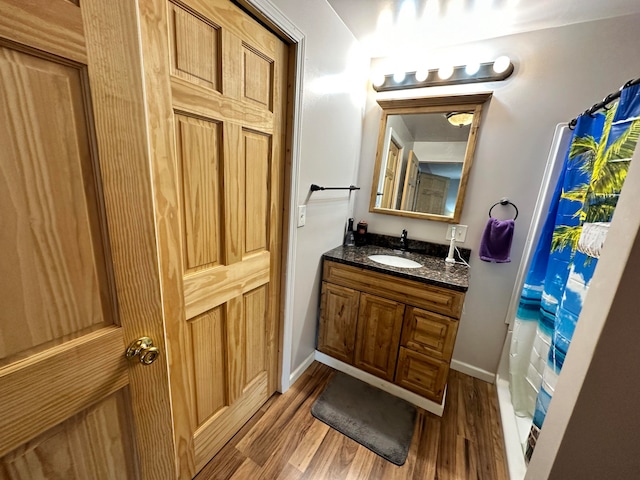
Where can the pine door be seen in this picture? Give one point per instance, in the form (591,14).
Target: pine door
(217,118)
(78,265)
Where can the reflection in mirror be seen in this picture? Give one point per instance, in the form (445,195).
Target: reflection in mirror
(425,150)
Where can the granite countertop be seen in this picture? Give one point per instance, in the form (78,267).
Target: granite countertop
(434,271)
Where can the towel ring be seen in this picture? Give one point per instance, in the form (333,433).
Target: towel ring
(504,201)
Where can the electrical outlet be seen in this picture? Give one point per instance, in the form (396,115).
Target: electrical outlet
(461,233)
(302,215)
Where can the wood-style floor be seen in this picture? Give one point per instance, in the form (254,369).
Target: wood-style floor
(284,441)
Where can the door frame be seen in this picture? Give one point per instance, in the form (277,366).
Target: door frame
(270,15)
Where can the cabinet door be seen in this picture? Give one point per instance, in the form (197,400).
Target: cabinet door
(338,317)
(378,335)
(421,374)
(429,333)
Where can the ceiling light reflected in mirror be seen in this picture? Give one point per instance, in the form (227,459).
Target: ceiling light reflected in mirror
(460,119)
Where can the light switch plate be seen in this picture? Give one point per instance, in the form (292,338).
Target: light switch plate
(302,215)
(461,233)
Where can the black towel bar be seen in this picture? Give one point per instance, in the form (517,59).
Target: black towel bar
(315,188)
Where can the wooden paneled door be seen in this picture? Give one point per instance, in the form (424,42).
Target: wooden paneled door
(217,120)
(410,182)
(79,278)
(391,175)
(431,196)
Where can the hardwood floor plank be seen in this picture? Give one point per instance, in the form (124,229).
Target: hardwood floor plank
(261,442)
(361,465)
(287,437)
(289,473)
(445,464)
(248,469)
(427,445)
(347,449)
(322,461)
(284,441)
(466,465)
(485,438)
(465,418)
(305,451)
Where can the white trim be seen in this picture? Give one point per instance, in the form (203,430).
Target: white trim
(475,372)
(297,373)
(417,400)
(297,38)
(279,19)
(513,444)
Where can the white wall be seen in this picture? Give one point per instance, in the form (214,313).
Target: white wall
(333,98)
(559,73)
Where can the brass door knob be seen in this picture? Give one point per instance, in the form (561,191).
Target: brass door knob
(143,348)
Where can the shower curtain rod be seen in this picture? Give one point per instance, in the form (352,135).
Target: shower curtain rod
(608,99)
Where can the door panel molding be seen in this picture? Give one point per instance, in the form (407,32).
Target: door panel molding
(96,374)
(57,28)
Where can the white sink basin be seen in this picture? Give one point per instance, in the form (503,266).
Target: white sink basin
(394,261)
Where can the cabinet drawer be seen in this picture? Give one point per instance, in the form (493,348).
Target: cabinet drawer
(338,317)
(429,333)
(429,297)
(421,374)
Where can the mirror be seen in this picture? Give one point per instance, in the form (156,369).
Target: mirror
(424,155)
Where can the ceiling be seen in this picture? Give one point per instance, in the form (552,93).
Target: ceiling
(430,23)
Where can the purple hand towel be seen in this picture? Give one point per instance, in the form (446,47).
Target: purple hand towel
(495,245)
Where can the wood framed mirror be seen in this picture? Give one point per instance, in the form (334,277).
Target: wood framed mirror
(424,155)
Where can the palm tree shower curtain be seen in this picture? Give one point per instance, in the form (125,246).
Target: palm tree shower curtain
(567,252)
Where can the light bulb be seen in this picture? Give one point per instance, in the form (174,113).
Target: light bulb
(472,68)
(445,72)
(398,77)
(377,79)
(422,75)
(501,64)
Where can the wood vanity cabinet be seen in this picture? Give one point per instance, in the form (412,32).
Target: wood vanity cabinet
(337,333)
(377,335)
(398,329)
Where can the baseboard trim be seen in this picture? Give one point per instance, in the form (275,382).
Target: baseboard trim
(417,400)
(473,371)
(297,373)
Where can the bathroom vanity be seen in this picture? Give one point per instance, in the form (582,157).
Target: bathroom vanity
(397,324)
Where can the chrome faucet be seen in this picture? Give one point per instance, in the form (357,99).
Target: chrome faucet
(403,240)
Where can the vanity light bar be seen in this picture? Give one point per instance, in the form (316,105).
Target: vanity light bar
(486,73)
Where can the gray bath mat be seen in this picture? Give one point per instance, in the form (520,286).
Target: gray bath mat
(373,418)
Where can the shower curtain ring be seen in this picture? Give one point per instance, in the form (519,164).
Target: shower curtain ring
(606,100)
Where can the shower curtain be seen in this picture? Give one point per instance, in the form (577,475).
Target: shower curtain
(565,257)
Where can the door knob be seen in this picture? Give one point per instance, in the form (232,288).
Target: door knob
(143,347)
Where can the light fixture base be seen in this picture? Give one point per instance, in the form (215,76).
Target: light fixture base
(485,73)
